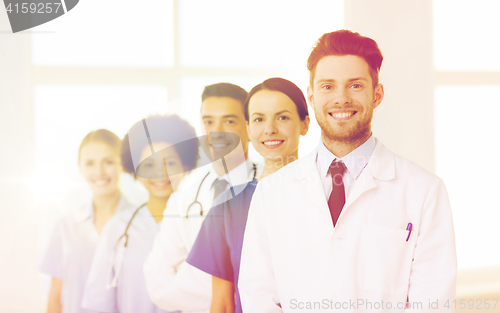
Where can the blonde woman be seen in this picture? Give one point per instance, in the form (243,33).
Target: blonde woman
(69,252)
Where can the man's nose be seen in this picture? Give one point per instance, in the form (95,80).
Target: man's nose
(217,126)
(341,96)
(217,134)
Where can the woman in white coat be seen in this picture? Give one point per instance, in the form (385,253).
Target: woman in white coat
(68,254)
(116,281)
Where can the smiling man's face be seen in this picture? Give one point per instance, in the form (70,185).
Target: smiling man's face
(343,98)
(222,115)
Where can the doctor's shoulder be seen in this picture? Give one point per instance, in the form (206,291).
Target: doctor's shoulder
(116,225)
(410,171)
(285,175)
(65,223)
(63,228)
(234,198)
(193,178)
(77,213)
(186,192)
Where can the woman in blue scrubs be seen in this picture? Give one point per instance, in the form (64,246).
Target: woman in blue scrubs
(277,115)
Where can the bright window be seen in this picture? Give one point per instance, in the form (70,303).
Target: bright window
(108,33)
(465,40)
(466,35)
(65,114)
(467,160)
(260,33)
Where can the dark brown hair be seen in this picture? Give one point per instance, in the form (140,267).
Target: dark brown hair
(225,90)
(168,128)
(284,86)
(345,42)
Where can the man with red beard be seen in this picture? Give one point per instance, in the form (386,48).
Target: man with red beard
(351,227)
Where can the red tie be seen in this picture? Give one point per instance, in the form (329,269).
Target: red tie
(337,197)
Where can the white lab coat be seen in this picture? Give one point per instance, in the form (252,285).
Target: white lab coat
(173,284)
(292,254)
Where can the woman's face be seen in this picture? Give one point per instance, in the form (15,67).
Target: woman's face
(274,125)
(101,167)
(162,187)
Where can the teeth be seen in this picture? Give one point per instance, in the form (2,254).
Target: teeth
(272,143)
(218,145)
(101,182)
(342,114)
(160,184)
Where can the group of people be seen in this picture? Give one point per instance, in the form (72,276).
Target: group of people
(350,227)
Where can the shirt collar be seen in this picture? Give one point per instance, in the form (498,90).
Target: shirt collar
(237,176)
(355,161)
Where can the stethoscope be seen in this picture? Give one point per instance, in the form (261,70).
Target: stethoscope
(197,203)
(113,282)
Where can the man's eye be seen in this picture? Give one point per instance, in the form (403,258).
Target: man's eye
(357,86)
(327,87)
(229,122)
(257,120)
(110,162)
(283,118)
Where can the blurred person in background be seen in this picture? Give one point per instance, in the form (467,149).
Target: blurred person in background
(157,151)
(69,251)
(276,114)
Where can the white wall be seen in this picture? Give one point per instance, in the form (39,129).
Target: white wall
(403,30)
(19,282)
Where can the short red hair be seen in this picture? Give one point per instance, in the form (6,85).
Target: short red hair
(345,42)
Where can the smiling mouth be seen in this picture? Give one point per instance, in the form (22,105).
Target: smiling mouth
(160,184)
(272,143)
(219,145)
(102,182)
(344,115)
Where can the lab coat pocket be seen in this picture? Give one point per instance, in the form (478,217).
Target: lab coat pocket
(385,259)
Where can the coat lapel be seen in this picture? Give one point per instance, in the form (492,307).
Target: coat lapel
(364,183)
(308,177)
(380,167)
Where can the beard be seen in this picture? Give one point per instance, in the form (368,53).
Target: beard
(346,131)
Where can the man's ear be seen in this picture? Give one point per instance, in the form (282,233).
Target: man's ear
(378,95)
(310,96)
